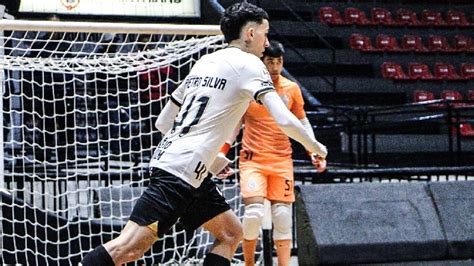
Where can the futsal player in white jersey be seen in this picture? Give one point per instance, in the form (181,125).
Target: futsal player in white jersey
(198,119)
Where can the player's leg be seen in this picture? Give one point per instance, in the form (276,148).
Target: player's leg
(227,230)
(130,245)
(282,224)
(210,210)
(164,200)
(252,221)
(281,195)
(253,188)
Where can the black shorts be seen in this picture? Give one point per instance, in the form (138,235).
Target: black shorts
(169,198)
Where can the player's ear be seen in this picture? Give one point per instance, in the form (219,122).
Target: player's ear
(250,32)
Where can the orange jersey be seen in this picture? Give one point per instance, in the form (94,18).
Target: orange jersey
(263,140)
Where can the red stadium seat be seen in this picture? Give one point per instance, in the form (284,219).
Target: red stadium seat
(437,43)
(386,43)
(453,95)
(456,18)
(445,71)
(392,71)
(406,17)
(420,96)
(423,96)
(381,16)
(355,16)
(419,71)
(413,43)
(432,17)
(463,43)
(466,130)
(361,42)
(467,70)
(330,16)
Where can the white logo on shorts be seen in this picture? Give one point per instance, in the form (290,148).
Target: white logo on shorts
(252,185)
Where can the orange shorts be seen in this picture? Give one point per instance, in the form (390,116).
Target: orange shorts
(274,181)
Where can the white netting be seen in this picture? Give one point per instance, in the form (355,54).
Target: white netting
(78,113)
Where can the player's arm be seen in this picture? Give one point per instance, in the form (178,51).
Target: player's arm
(166,118)
(288,122)
(221,165)
(298,110)
(318,161)
(228,143)
(309,128)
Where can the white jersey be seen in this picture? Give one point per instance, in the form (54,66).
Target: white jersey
(212,100)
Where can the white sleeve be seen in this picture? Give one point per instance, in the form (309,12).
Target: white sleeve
(166,118)
(290,124)
(177,96)
(307,125)
(219,163)
(168,114)
(235,133)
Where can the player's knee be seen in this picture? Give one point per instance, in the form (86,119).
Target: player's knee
(135,254)
(128,248)
(232,235)
(282,221)
(129,251)
(253,216)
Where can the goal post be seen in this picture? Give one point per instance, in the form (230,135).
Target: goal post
(103,27)
(79,104)
(2,91)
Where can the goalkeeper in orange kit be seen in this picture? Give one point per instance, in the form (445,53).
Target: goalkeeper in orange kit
(266,166)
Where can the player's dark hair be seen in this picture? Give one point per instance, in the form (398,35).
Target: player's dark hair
(275,49)
(237,16)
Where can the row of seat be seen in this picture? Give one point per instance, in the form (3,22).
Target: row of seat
(465,129)
(403,17)
(416,71)
(412,43)
(449,95)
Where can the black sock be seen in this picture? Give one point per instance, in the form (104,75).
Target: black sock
(214,259)
(98,257)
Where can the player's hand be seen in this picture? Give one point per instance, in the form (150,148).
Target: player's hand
(220,167)
(319,149)
(322,150)
(319,162)
(225,172)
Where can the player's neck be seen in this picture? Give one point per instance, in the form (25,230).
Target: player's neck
(239,45)
(275,78)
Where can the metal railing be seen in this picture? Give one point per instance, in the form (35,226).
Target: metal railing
(364,125)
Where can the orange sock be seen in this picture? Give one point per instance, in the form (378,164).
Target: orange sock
(249,247)
(283,249)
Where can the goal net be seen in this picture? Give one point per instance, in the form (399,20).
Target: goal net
(79,101)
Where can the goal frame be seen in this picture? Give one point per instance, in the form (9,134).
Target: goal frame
(98,27)
(92,27)
(6,26)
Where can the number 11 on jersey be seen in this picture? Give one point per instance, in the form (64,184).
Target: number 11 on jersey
(202,106)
